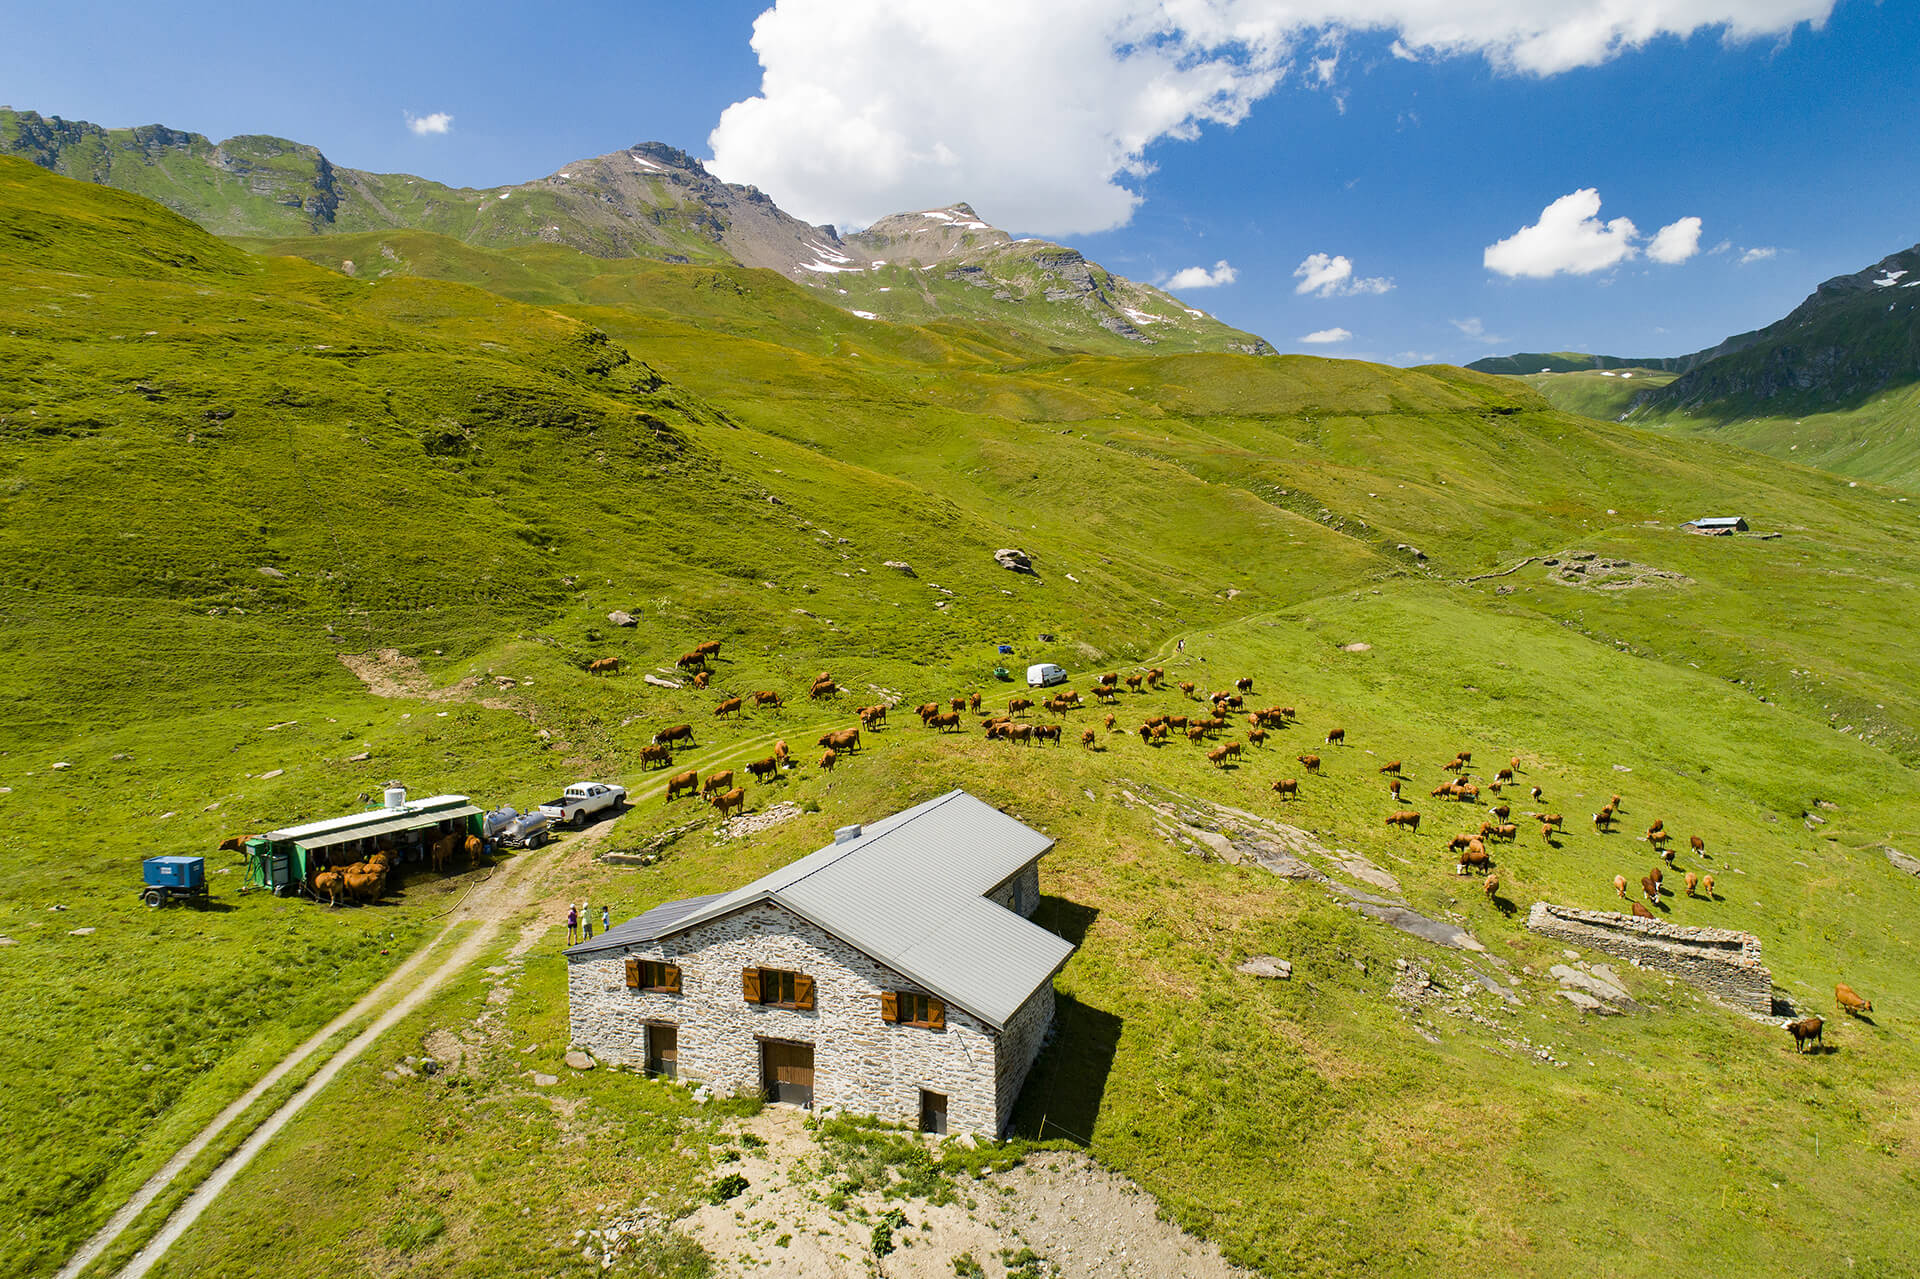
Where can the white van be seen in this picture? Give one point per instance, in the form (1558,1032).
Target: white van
(1045,673)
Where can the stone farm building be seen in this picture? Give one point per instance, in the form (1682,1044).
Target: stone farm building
(893,973)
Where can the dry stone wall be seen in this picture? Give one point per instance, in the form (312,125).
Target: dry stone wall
(1723,962)
(1020,893)
(861,1063)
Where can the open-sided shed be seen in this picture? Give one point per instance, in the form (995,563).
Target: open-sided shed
(288,855)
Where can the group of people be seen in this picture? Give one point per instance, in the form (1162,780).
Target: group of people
(580,922)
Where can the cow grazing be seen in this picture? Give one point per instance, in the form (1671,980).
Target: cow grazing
(1507,831)
(1465,757)
(1108,721)
(1110,679)
(1650,888)
(763,769)
(1458,842)
(1310,762)
(1047,733)
(702,678)
(708,648)
(1706,887)
(717,782)
(945,720)
(1258,736)
(780,752)
(957,703)
(1515,764)
(1666,855)
(1197,732)
(735,799)
(1174,721)
(1244,683)
(1069,698)
(1017,704)
(1849,998)
(1286,712)
(1087,737)
(1392,766)
(767,697)
(1552,819)
(846,741)
(826,689)
(1187,687)
(1406,819)
(875,716)
(1547,833)
(1658,838)
(1443,791)
(1535,792)
(1504,776)
(927,710)
(1806,1031)
(688,781)
(729,707)
(689,661)
(1020,733)
(1461,791)
(1640,910)
(1219,755)
(1336,737)
(1697,844)
(1454,766)
(1287,789)
(826,761)
(661,755)
(233,844)
(1105,695)
(1620,886)
(678,733)
(1156,676)
(1393,788)
(1692,880)
(1603,819)
(1474,859)
(1493,886)
(603,666)
(1659,823)
(973,702)
(1502,811)
(1133,682)
(1614,803)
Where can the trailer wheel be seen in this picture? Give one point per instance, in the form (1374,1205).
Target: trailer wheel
(154,897)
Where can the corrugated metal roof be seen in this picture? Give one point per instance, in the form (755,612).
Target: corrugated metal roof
(410,821)
(429,809)
(910,892)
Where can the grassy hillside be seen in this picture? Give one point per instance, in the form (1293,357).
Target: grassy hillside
(1604,394)
(476,478)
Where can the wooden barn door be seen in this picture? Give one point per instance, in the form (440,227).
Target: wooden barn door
(933,1111)
(663,1051)
(787,1070)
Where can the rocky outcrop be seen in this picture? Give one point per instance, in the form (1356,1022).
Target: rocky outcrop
(1724,963)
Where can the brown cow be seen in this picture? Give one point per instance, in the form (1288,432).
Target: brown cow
(1218,755)
(1174,721)
(1475,859)
(1393,788)
(717,781)
(1620,886)
(1507,831)
(1849,998)
(1087,738)
(1336,737)
(1258,736)
(1392,766)
(780,751)
(1504,776)
(708,648)
(1110,678)
(1658,837)
(826,761)
(332,883)
(1552,819)
(1697,844)
(1159,733)
(1068,698)
(1017,704)
(603,666)
(1105,695)
(476,848)
(1187,686)
(1706,887)
(1692,880)
(233,844)
(678,733)
(1287,789)
(945,720)
(1244,683)
(825,689)
(1155,676)
(1806,1031)
(689,660)
(1458,842)
(1443,791)
(1286,712)
(1603,819)
(366,885)
(729,707)
(846,741)
(767,697)
(1196,731)
(1453,767)
(874,716)
(1534,791)
(1020,733)
(1047,733)
(1465,757)
(1640,910)
(1659,823)
(1461,791)
(702,678)
(1650,887)
(661,754)
(735,798)
(1109,721)
(973,702)
(1133,683)
(1493,885)
(1407,819)
(1310,762)
(762,769)
(688,781)
(927,710)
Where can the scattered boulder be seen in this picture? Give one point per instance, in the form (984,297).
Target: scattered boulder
(1266,966)
(1599,987)
(61,765)
(268,571)
(544,1081)
(1909,864)
(1583,1001)
(361,758)
(1013,560)
(619,618)
(657,682)
(271,773)
(900,566)
(80,932)
(1356,647)
(577,1060)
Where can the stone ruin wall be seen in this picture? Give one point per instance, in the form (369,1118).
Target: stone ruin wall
(1721,961)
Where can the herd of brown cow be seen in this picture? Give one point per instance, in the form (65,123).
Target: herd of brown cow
(366,881)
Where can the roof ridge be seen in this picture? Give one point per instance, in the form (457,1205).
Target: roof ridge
(859,842)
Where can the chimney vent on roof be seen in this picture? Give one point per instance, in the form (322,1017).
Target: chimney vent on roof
(846,834)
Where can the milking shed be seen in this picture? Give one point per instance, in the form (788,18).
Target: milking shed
(281,858)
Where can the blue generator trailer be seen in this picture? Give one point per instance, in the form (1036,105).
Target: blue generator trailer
(171,879)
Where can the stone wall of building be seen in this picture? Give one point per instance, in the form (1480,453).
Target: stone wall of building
(1721,961)
(1020,891)
(860,1063)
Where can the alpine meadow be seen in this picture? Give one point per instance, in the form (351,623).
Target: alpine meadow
(1430,782)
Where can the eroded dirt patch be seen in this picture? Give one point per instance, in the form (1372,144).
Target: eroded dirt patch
(1589,571)
(387,672)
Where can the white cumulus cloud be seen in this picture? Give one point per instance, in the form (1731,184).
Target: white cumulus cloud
(436,122)
(1320,337)
(1042,118)
(1569,238)
(1675,242)
(1332,277)
(1199,277)
(1757,255)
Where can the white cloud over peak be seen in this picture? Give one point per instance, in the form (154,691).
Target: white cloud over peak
(1199,277)
(1321,337)
(1675,242)
(867,107)
(1570,239)
(436,122)
(1757,255)
(1332,277)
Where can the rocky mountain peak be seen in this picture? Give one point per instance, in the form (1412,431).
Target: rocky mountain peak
(929,235)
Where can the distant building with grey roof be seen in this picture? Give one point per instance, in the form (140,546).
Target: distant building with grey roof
(1718,524)
(894,973)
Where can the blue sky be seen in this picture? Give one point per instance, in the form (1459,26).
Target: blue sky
(1372,140)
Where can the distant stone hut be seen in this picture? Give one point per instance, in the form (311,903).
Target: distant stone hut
(1717,525)
(893,973)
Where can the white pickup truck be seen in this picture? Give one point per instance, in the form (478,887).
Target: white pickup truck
(582,800)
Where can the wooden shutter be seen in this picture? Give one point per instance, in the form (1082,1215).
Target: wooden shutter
(803,992)
(671,977)
(750,984)
(889,1006)
(633,973)
(936,1013)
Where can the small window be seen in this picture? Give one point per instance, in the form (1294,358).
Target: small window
(778,988)
(911,1009)
(653,975)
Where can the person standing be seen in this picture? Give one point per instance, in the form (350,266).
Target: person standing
(605,918)
(573,923)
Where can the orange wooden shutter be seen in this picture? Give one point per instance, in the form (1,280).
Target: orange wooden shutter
(936,1013)
(889,1006)
(633,973)
(750,984)
(672,980)
(803,992)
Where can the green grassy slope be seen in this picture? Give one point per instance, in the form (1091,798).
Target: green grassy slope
(1595,393)
(476,479)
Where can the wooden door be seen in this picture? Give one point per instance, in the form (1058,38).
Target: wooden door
(933,1112)
(787,1071)
(663,1051)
